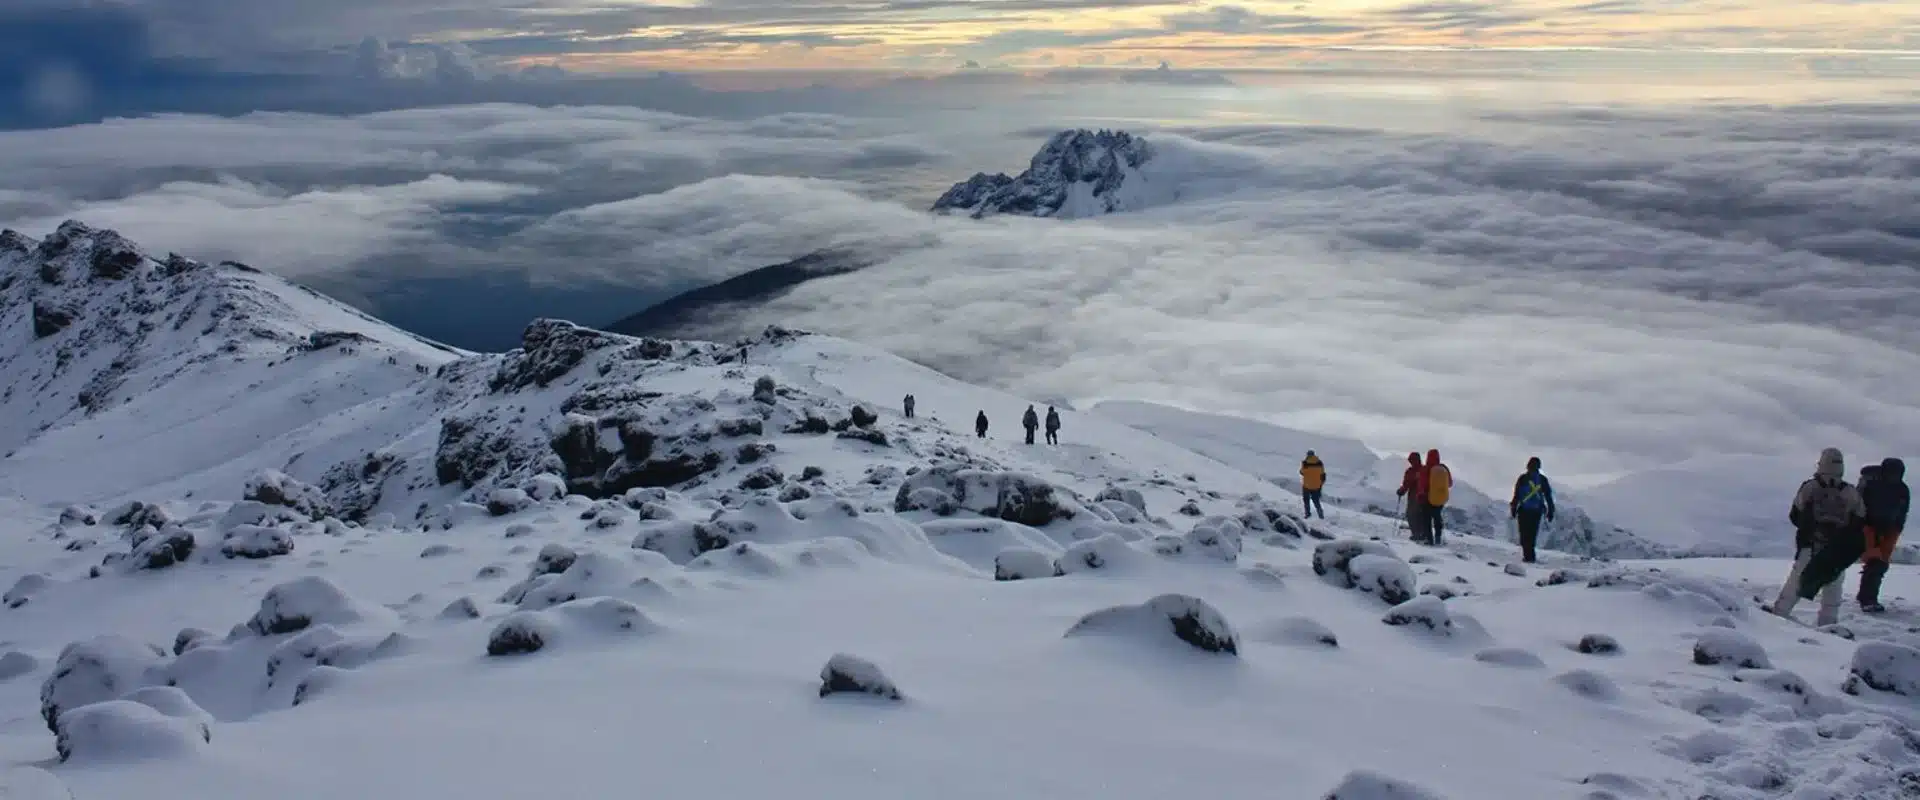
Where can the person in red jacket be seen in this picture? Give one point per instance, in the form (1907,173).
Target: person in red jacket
(1410,489)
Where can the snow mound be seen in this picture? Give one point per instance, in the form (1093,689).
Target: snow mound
(123,730)
(1425,611)
(24,589)
(297,604)
(1719,646)
(14,664)
(1598,644)
(1019,563)
(96,670)
(1296,631)
(947,489)
(595,618)
(845,673)
(1589,684)
(1186,618)
(1368,785)
(1387,577)
(1509,657)
(1886,667)
(276,488)
(1103,552)
(255,541)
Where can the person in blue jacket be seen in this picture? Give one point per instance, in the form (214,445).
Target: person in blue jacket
(1532,500)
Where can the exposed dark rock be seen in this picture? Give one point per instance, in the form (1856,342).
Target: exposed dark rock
(48,320)
(549,349)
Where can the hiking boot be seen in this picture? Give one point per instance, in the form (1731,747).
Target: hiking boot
(1872,608)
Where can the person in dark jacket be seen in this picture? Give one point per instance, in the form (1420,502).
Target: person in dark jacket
(1053,426)
(1030,421)
(1886,498)
(1410,489)
(1532,499)
(980,425)
(1827,516)
(907,405)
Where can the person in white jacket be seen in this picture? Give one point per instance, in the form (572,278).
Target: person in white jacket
(1825,508)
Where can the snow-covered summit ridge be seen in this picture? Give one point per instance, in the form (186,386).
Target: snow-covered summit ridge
(1077,173)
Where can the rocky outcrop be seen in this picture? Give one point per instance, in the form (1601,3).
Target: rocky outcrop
(1091,164)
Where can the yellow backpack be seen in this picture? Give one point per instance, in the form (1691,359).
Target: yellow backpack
(1439,485)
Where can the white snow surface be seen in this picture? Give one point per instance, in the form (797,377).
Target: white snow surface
(689,617)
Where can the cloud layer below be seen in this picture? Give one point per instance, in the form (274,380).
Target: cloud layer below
(1609,290)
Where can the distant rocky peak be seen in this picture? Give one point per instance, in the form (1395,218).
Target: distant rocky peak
(1100,161)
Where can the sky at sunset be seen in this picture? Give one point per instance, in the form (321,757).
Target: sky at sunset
(692,35)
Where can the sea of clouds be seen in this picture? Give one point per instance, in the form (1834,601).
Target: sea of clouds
(1610,289)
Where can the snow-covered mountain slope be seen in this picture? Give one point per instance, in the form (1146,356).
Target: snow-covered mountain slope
(1358,479)
(1077,173)
(596,563)
(122,371)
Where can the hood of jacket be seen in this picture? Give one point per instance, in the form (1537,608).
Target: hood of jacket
(1413,458)
(1433,457)
(1893,469)
(1832,466)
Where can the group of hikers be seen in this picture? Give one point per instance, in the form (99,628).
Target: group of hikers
(1030,420)
(1835,524)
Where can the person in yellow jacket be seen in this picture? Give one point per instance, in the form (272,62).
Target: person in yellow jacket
(1313,477)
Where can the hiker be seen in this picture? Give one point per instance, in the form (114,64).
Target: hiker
(980,425)
(1532,497)
(1886,498)
(1827,515)
(1313,476)
(1436,485)
(1410,489)
(1053,426)
(907,405)
(1030,421)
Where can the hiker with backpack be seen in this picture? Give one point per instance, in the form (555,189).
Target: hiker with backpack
(1827,516)
(1532,498)
(1886,498)
(980,425)
(1053,426)
(1436,486)
(1030,421)
(1410,489)
(1313,476)
(907,406)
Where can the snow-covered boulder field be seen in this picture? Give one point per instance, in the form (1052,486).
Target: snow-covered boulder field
(258,544)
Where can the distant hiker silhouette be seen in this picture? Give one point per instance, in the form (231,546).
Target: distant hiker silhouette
(1053,426)
(1532,498)
(1313,476)
(1828,517)
(1436,485)
(1030,421)
(1410,489)
(980,425)
(907,405)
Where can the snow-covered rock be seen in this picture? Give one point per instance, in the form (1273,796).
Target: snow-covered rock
(1597,644)
(508,500)
(1718,646)
(293,606)
(162,549)
(1296,631)
(123,730)
(1388,578)
(1330,559)
(1014,497)
(1886,667)
(276,488)
(845,673)
(1019,563)
(578,620)
(1425,611)
(1183,617)
(24,589)
(14,664)
(1369,785)
(96,670)
(254,541)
